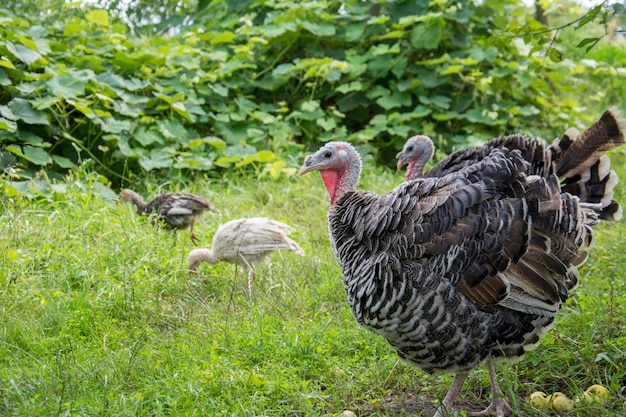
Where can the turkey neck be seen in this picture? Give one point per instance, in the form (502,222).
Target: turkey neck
(416,167)
(339,182)
(137,201)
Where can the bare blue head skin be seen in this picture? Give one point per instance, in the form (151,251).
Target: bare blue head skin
(340,166)
(416,153)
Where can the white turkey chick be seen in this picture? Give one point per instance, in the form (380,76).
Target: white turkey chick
(245,242)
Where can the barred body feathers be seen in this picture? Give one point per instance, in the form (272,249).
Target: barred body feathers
(470,262)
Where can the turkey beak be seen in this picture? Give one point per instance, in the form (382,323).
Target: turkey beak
(402,160)
(308,166)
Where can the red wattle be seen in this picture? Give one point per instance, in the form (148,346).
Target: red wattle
(330,182)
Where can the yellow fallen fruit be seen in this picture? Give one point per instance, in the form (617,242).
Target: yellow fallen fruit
(348,413)
(539,399)
(596,393)
(553,397)
(562,403)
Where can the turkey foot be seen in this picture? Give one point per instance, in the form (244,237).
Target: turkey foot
(498,406)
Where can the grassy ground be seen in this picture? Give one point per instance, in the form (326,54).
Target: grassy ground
(100,317)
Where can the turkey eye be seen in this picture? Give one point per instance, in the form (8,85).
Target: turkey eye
(328,154)
(409,149)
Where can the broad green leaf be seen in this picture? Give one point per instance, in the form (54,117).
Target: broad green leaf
(452,69)
(449,115)
(7,113)
(394,34)
(215,142)
(147,137)
(528,110)
(6,124)
(29,43)
(378,20)
(322,29)
(480,116)
(36,155)
(262,156)
(138,59)
(4,78)
(158,159)
(105,192)
(420,111)
(124,109)
(397,99)
(353,86)
(103,113)
(45,102)
(172,129)
(220,90)
(25,112)
(195,162)
(439,101)
(310,105)
(21,52)
(124,147)
(275,30)
(555,55)
(408,84)
(462,15)
(282,69)
(113,81)
(326,123)
(113,125)
(263,117)
(4,62)
(186,61)
(427,35)
(179,108)
(33,139)
(83,107)
(194,108)
(99,17)
(589,43)
(223,37)
(591,15)
(15,149)
(63,162)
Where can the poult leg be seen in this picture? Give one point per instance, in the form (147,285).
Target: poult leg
(498,405)
(192,235)
(452,394)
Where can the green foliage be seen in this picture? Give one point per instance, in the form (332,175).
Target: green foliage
(245,85)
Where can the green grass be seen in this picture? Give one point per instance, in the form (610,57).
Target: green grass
(100,317)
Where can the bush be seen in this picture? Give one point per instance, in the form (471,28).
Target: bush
(250,84)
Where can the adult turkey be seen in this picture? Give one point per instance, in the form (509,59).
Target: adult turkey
(416,153)
(176,210)
(578,167)
(245,242)
(472,263)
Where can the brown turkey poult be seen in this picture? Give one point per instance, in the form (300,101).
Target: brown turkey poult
(472,265)
(177,210)
(245,242)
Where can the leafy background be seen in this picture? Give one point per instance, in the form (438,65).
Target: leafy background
(182,90)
